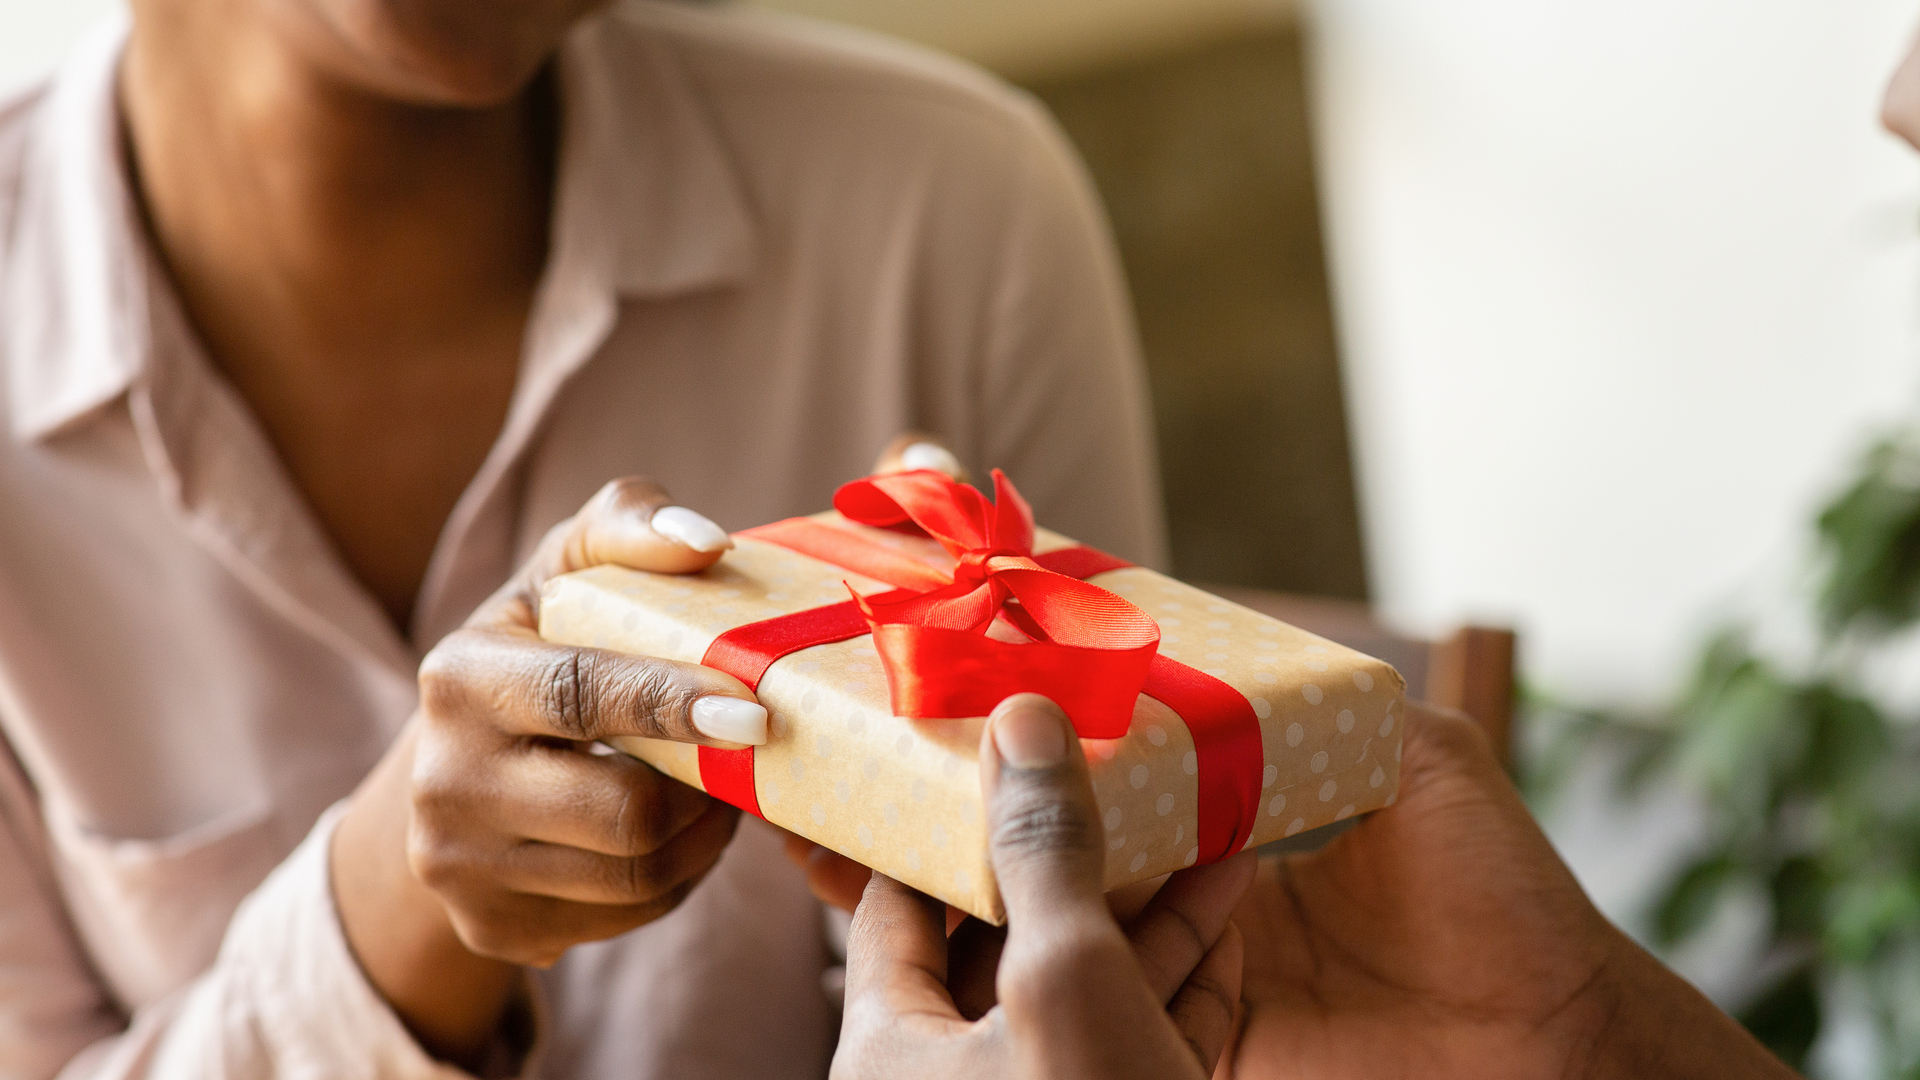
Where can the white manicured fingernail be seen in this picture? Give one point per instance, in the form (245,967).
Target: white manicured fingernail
(926,455)
(688,529)
(729,719)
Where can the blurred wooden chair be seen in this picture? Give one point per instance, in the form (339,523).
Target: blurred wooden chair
(1470,669)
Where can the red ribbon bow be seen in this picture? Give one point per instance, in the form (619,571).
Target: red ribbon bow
(1089,650)
(1079,644)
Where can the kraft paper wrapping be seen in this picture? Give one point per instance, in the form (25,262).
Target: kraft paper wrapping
(903,795)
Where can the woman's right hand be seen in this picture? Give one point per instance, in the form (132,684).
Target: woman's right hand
(495,833)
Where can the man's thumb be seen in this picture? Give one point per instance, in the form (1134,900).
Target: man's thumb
(1045,839)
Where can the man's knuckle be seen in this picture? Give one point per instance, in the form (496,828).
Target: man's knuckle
(1214,993)
(1038,977)
(1181,925)
(1033,823)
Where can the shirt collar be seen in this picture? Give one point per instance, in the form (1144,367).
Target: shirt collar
(647,204)
(73,302)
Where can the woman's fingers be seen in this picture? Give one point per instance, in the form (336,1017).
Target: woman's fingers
(611,804)
(917,450)
(536,931)
(537,868)
(528,843)
(498,665)
(528,688)
(1183,923)
(632,523)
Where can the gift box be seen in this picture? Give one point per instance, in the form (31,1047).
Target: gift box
(879,634)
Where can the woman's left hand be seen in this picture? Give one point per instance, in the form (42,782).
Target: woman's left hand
(1078,996)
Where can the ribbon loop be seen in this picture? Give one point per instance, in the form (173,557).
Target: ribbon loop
(1089,649)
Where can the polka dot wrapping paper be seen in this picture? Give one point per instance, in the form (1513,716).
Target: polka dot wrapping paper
(903,795)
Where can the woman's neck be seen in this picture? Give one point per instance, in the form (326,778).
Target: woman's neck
(290,205)
(360,268)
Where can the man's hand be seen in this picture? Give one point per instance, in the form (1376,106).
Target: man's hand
(1078,996)
(493,834)
(1443,937)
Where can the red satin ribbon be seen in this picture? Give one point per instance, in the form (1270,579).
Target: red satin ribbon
(1091,651)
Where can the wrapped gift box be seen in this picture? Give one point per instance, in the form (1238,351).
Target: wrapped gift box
(902,794)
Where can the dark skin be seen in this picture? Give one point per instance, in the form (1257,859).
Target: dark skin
(353,207)
(1441,937)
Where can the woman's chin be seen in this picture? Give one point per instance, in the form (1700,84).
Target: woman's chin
(473,54)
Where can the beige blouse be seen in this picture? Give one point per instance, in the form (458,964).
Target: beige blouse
(775,246)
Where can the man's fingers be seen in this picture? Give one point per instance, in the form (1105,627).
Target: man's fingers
(1045,839)
(897,952)
(835,879)
(1202,1009)
(973,965)
(1184,921)
(531,688)
(832,877)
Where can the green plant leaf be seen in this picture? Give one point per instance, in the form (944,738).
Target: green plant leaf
(1866,911)
(1849,737)
(1690,900)
(1871,534)
(1799,891)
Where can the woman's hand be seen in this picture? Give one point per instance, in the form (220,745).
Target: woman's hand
(1444,937)
(494,834)
(918,450)
(1077,995)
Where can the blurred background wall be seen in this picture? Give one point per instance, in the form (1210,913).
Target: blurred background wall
(1622,288)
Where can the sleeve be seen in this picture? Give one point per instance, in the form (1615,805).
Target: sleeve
(284,999)
(1063,376)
